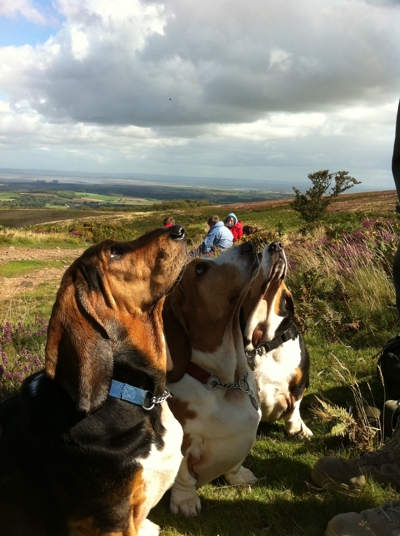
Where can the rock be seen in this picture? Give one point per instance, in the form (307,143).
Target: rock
(27,284)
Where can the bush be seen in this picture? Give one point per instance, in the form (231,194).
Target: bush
(313,204)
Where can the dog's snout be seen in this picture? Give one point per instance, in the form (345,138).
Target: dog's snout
(275,246)
(177,232)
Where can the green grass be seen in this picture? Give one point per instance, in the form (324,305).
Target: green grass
(17,268)
(38,300)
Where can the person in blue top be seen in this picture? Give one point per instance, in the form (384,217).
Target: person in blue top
(218,237)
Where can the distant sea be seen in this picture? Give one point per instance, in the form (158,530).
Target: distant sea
(371,180)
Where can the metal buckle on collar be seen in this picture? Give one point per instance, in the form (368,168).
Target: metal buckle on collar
(268,346)
(251,356)
(212,383)
(154,400)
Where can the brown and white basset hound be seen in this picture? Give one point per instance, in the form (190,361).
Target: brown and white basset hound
(89,445)
(213,389)
(277,352)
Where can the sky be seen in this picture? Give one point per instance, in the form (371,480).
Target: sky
(268,90)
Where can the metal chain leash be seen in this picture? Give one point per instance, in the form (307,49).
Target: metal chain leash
(154,400)
(242,384)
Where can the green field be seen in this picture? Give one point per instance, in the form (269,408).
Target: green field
(66,199)
(115,199)
(17,268)
(6,195)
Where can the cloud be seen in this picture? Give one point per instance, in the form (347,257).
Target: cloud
(25,8)
(186,62)
(225,87)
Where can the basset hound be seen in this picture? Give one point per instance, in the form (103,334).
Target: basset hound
(249,229)
(275,348)
(89,445)
(214,394)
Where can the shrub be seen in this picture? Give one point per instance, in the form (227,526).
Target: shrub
(313,204)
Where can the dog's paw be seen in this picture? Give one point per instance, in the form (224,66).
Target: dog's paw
(243,476)
(148,528)
(301,432)
(185,502)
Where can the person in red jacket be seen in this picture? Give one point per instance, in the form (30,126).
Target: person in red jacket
(234,225)
(169,222)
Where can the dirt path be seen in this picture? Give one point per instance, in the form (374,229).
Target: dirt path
(12,286)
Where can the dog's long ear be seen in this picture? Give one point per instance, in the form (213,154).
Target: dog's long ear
(78,350)
(286,301)
(177,337)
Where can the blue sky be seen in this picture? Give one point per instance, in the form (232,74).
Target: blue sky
(22,26)
(246,89)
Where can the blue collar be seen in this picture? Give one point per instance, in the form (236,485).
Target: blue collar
(137,396)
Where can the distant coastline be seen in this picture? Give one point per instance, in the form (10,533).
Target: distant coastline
(165,187)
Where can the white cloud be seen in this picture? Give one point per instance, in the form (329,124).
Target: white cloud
(189,85)
(79,47)
(197,63)
(11,8)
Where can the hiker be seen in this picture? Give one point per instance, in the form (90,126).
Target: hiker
(169,221)
(382,465)
(218,237)
(234,225)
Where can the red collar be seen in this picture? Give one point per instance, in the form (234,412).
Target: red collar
(211,382)
(198,373)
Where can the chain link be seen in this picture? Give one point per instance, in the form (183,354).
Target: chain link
(213,382)
(242,384)
(158,400)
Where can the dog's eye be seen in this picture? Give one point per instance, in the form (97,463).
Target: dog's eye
(116,252)
(200,269)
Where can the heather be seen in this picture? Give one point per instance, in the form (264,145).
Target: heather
(343,285)
(21,351)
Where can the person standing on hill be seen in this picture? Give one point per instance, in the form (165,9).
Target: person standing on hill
(396,177)
(234,225)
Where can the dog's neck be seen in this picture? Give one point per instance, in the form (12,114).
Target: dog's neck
(133,368)
(228,363)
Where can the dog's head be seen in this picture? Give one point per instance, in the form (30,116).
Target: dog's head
(200,310)
(249,229)
(268,305)
(111,297)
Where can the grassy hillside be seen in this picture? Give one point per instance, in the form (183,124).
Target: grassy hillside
(340,277)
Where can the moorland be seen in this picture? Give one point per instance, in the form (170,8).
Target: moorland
(340,278)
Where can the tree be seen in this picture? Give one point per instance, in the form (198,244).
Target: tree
(313,204)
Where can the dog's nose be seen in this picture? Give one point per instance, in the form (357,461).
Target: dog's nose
(177,232)
(275,246)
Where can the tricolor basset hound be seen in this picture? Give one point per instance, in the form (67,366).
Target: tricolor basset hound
(213,389)
(89,445)
(275,348)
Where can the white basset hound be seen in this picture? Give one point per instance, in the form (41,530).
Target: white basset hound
(214,393)
(274,347)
